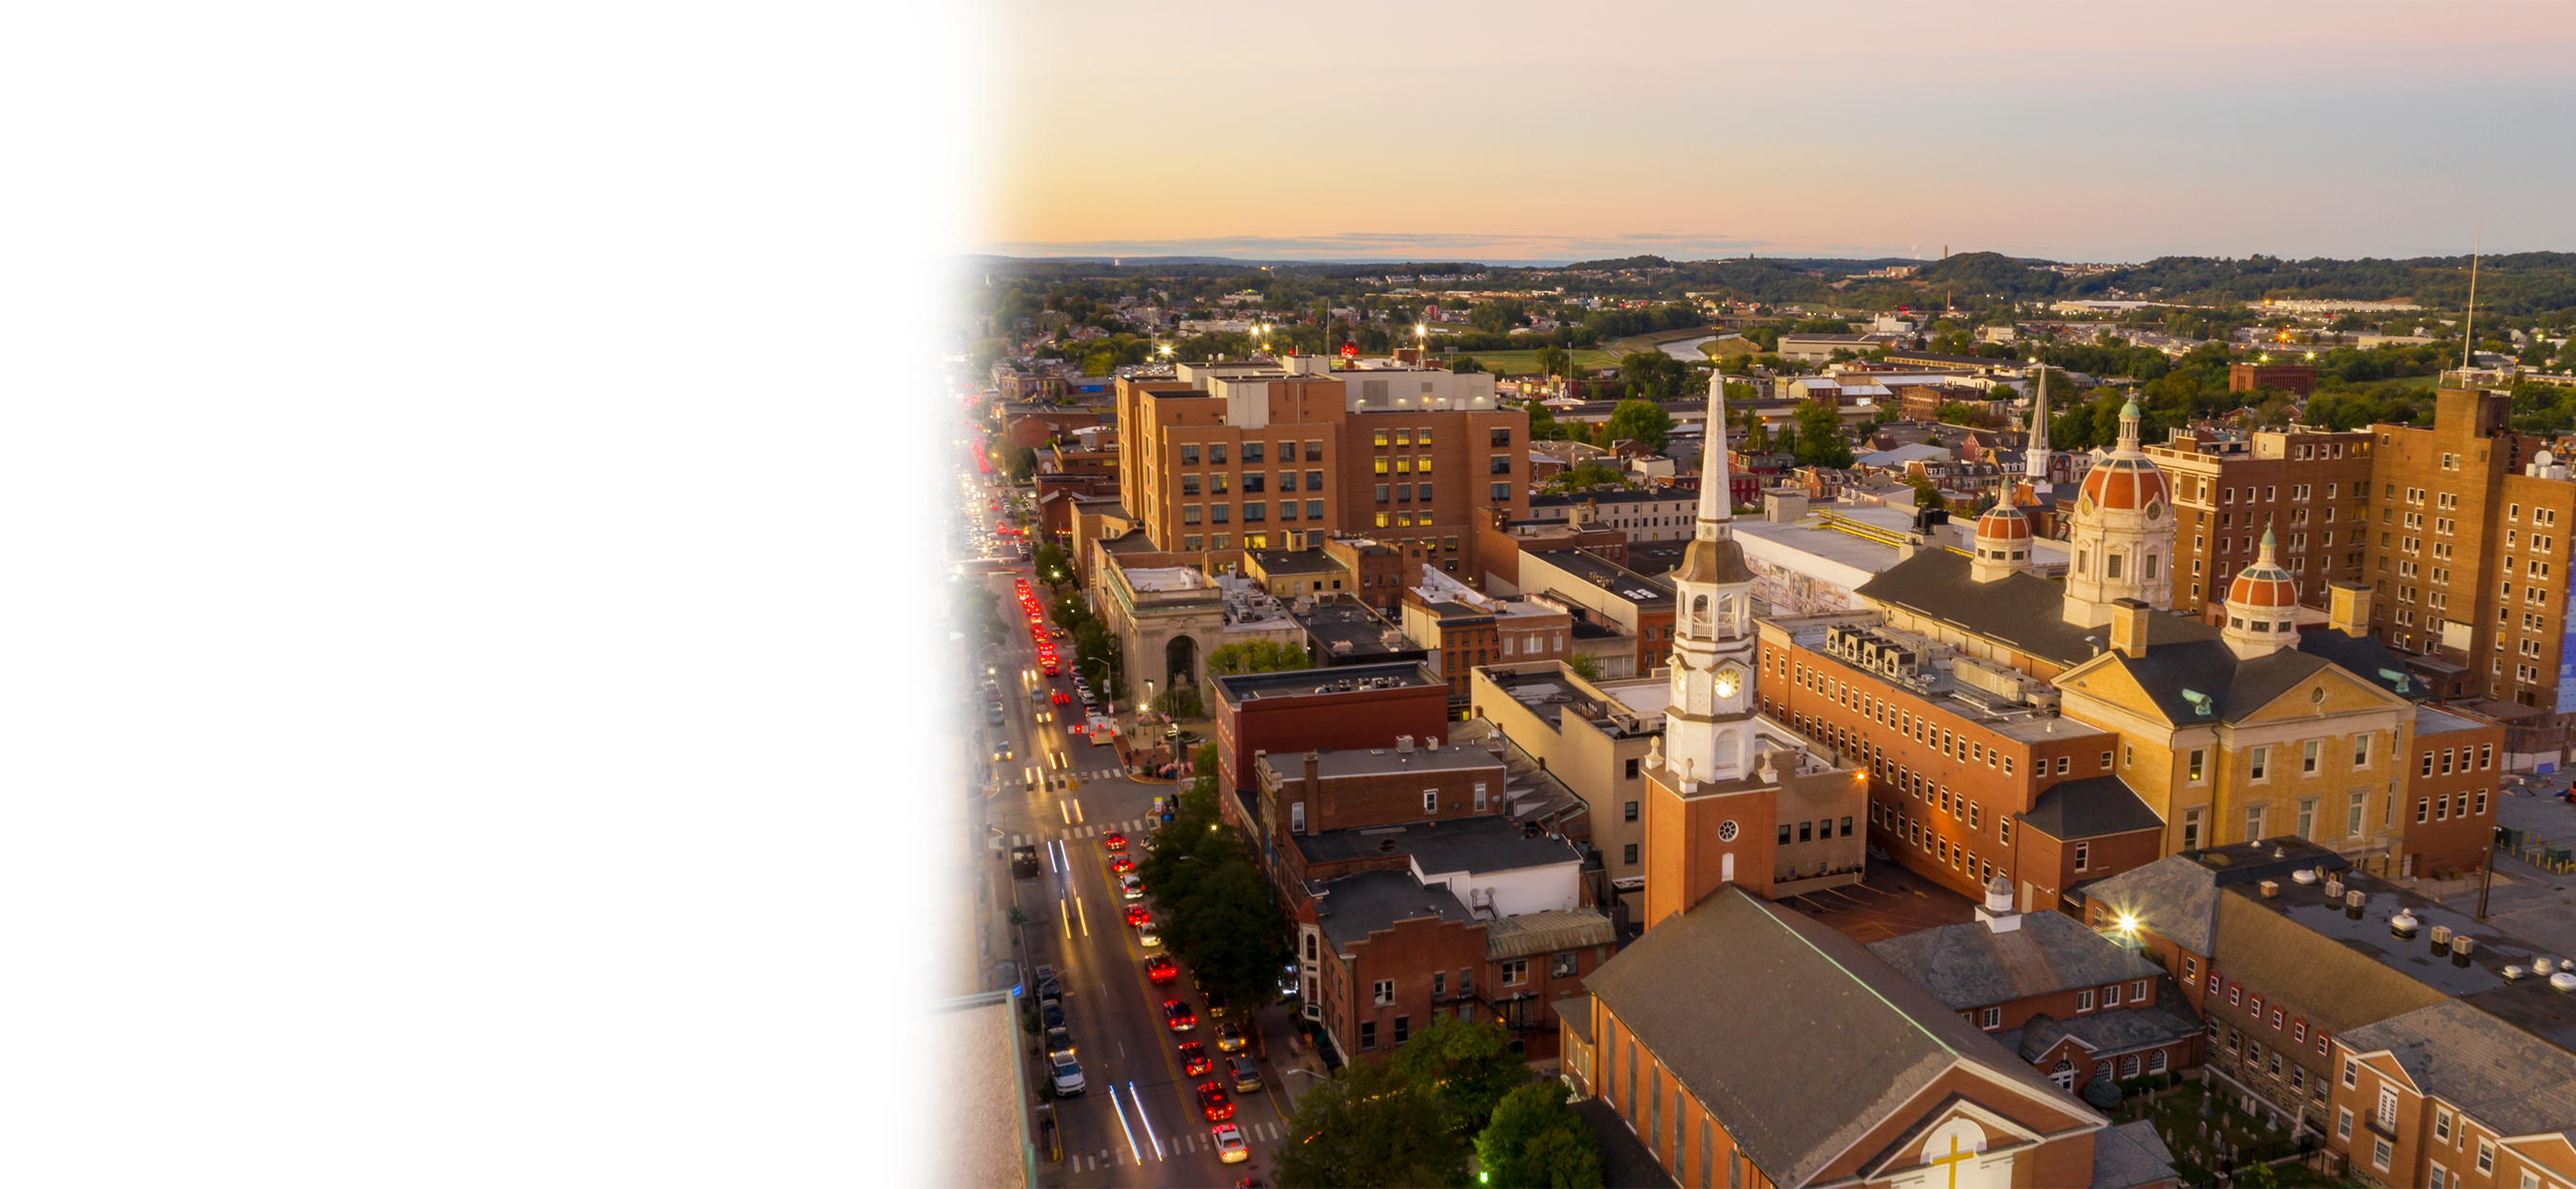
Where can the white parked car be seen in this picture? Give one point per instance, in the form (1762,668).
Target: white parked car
(1068,1076)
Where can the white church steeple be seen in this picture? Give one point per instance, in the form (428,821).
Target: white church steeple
(1707,724)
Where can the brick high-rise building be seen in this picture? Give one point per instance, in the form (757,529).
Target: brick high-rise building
(1264,455)
(2467,552)
(2310,488)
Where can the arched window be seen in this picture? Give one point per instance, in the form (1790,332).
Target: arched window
(1699,613)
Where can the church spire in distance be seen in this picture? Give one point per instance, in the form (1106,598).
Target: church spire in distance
(2035,459)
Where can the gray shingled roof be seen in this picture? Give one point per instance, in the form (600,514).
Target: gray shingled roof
(2020,609)
(2110,1033)
(2506,1078)
(2130,1155)
(1361,903)
(1546,933)
(2089,808)
(2174,896)
(1688,987)
(1970,965)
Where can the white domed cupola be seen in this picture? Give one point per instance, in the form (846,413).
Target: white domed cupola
(2002,544)
(2262,608)
(2121,535)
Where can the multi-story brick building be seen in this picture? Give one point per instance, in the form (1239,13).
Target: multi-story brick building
(2287,377)
(1355,706)
(1464,629)
(1593,736)
(2451,1095)
(1322,791)
(2310,488)
(2469,553)
(1262,455)
(2456,775)
(2077,1005)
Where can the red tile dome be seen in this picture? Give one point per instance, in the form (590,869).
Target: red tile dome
(2263,584)
(2127,485)
(2003,522)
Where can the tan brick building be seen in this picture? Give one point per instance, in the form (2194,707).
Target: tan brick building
(1268,455)
(2468,551)
(2311,489)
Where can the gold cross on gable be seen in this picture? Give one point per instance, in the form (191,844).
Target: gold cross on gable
(1952,1160)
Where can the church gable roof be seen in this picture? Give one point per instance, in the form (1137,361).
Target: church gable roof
(1970,965)
(1735,957)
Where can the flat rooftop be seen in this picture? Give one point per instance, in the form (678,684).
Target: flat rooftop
(1344,679)
(1294,561)
(2527,1002)
(1617,579)
(1549,692)
(1347,627)
(1487,842)
(1335,763)
(1942,689)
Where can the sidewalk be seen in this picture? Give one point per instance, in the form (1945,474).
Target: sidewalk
(1294,1067)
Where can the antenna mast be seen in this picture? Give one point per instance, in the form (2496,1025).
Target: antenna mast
(2468,333)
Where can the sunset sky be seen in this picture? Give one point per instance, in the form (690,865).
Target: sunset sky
(1530,131)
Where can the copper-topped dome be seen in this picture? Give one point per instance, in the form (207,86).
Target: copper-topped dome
(2004,522)
(2127,480)
(2264,583)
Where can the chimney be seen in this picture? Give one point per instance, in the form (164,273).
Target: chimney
(1314,774)
(2129,627)
(2348,608)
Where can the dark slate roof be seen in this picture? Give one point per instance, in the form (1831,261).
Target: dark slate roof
(2177,896)
(2089,808)
(1970,965)
(2110,1033)
(1361,903)
(1626,1163)
(2023,610)
(1493,842)
(2130,1155)
(1686,987)
(2504,1077)
(2367,659)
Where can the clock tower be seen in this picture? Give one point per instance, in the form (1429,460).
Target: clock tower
(1707,735)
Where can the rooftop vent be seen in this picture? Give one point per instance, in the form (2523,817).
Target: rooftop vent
(2304,875)
(2460,947)
(2542,965)
(2270,888)
(2563,981)
(2512,973)
(2334,888)
(2403,924)
(2441,938)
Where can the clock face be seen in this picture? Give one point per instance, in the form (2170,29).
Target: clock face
(2155,508)
(1726,683)
(1726,831)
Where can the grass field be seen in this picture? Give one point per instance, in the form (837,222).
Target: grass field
(1516,363)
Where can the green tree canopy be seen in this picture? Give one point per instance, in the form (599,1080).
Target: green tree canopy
(1643,421)
(1536,1141)
(1820,436)
(1369,1125)
(1470,1065)
(1653,374)
(1256,656)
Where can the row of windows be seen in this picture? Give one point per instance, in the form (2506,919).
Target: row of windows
(1254,451)
(2486,758)
(1253,513)
(1218,482)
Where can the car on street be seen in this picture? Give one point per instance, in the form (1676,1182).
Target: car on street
(1177,1013)
(1051,1014)
(1230,1147)
(1138,914)
(1122,864)
(1115,842)
(1067,1075)
(1059,1042)
(1194,1059)
(1246,1073)
(1147,935)
(1229,1037)
(1130,887)
(1002,753)
(1288,981)
(1062,699)
(1213,1102)
(1160,968)
(1215,1004)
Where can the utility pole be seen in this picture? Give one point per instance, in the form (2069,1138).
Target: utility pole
(2488,879)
